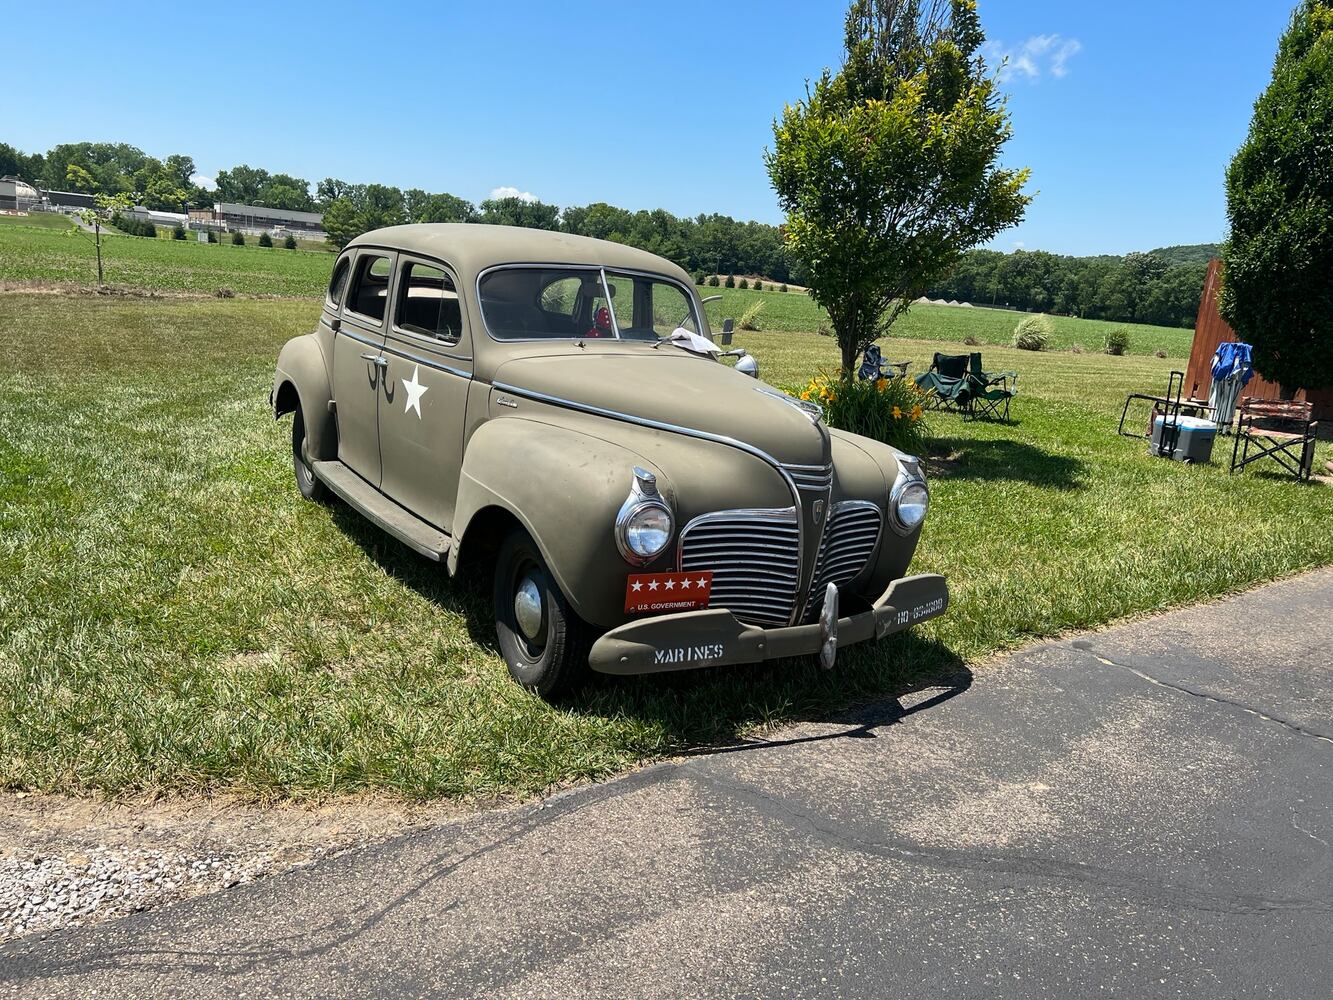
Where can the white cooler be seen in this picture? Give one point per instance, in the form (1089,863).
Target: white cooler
(1195,443)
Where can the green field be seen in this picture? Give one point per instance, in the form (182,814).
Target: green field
(45,255)
(36,220)
(175,617)
(28,254)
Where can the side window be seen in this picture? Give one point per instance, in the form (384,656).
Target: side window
(561,295)
(370,287)
(338,283)
(428,303)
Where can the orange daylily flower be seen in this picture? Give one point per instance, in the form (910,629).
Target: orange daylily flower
(897,413)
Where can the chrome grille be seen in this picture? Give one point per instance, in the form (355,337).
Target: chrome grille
(754,556)
(817,478)
(849,542)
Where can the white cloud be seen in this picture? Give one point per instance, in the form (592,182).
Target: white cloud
(207,183)
(512,192)
(1038,55)
(1019,245)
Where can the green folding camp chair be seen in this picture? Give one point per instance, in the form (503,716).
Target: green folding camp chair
(946,384)
(989,392)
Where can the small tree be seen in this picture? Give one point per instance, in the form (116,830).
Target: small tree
(712,281)
(758,284)
(289,242)
(731,281)
(212,236)
(108,206)
(238,239)
(888,171)
(743,283)
(265,240)
(782,287)
(1277,289)
(178,232)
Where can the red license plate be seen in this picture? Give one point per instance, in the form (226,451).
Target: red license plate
(664,593)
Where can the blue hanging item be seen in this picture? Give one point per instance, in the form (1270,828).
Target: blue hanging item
(1232,368)
(1232,360)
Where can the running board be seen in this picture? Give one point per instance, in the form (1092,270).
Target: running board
(398,521)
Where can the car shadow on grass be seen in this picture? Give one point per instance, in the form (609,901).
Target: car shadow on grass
(996,459)
(707,710)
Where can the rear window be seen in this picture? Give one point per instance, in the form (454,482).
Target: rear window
(338,283)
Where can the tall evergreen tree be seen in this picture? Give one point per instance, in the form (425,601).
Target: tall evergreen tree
(1277,292)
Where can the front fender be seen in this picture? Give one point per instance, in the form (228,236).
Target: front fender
(565,487)
(303,376)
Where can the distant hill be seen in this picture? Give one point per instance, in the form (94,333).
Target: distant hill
(1191,253)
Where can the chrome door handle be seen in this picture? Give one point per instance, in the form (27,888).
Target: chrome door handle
(378,359)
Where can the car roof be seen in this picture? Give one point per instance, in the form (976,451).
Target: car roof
(472,248)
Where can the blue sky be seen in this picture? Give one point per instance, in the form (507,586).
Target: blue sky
(1126,112)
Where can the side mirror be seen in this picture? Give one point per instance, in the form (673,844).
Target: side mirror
(727,326)
(749,366)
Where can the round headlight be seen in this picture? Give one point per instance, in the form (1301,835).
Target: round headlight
(647,530)
(910,501)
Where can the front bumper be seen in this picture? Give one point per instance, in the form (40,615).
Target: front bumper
(714,637)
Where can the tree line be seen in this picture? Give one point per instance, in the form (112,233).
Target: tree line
(1136,288)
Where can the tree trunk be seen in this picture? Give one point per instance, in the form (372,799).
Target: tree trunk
(97,234)
(848,356)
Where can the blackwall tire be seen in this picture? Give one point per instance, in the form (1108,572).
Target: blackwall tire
(543,641)
(306,482)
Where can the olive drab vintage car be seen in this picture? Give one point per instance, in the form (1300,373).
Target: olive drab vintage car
(554,410)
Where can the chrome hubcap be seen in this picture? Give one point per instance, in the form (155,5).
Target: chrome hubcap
(528,608)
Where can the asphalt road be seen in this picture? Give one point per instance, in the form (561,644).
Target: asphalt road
(1144,812)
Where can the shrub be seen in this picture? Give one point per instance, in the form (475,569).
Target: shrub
(783,287)
(131,226)
(712,281)
(178,232)
(700,278)
(1033,333)
(731,281)
(289,242)
(1117,341)
(750,318)
(758,285)
(887,410)
(238,239)
(743,284)
(212,236)
(265,240)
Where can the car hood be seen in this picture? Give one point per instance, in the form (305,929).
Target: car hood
(677,389)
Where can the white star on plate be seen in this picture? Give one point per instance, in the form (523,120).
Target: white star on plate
(702,583)
(670,584)
(636,585)
(415,390)
(652,584)
(685,584)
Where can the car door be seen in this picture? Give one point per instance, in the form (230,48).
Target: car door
(358,361)
(424,401)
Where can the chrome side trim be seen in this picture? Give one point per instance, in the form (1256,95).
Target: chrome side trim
(344,332)
(722,439)
(428,362)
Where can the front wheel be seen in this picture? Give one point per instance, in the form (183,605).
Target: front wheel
(544,642)
(311,488)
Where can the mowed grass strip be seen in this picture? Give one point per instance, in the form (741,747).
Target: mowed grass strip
(175,617)
(28,254)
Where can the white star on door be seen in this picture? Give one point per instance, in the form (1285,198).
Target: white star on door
(415,390)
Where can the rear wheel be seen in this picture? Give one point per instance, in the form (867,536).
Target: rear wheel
(311,488)
(544,642)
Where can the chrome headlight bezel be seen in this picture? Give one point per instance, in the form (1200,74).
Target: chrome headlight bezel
(643,498)
(909,478)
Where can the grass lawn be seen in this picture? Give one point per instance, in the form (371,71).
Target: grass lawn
(175,617)
(29,254)
(35,220)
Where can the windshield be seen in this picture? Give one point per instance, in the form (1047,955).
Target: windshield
(563,303)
